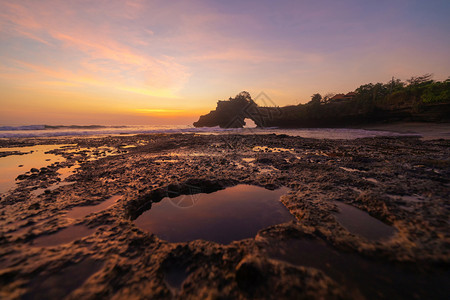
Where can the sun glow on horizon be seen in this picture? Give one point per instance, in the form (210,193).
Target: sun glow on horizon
(74,61)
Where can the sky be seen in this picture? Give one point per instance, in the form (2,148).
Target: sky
(167,62)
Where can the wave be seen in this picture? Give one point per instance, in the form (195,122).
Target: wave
(53,127)
(101,130)
(26,127)
(50,127)
(80,130)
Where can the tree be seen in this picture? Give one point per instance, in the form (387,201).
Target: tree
(437,92)
(327,97)
(316,99)
(394,84)
(244,95)
(418,80)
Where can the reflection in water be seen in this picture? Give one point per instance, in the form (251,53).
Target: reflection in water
(271,149)
(352,170)
(62,283)
(232,214)
(359,222)
(374,280)
(81,212)
(63,236)
(13,165)
(67,171)
(248,159)
(39,191)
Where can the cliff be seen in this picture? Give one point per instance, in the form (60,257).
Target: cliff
(228,115)
(422,100)
(233,112)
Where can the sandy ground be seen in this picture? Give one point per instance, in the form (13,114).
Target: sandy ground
(402,182)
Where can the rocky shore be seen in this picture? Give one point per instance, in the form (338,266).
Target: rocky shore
(401,181)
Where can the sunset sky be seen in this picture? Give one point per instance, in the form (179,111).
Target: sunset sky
(167,62)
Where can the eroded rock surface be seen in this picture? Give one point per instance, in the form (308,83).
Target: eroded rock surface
(379,176)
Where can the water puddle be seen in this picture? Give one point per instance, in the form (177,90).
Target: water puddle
(166,160)
(91,153)
(63,236)
(175,276)
(53,187)
(372,279)
(81,212)
(248,159)
(267,170)
(61,284)
(227,215)
(14,165)
(361,223)
(272,149)
(67,171)
(373,180)
(351,170)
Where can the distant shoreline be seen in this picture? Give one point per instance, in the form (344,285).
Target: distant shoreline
(424,130)
(428,130)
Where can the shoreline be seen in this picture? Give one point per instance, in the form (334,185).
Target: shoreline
(427,131)
(401,181)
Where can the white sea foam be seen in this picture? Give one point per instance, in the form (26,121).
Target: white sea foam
(96,130)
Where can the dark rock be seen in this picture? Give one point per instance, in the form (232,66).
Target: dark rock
(233,112)
(249,273)
(265,160)
(22,177)
(271,186)
(34,206)
(45,170)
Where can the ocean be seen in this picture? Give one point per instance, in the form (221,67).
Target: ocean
(102,130)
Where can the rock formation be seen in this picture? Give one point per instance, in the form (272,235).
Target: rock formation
(232,113)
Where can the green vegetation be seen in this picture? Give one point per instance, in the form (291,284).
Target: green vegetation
(395,100)
(417,99)
(397,94)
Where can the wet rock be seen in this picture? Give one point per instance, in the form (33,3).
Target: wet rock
(265,160)
(34,206)
(134,260)
(257,278)
(250,273)
(22,177)
(44,170)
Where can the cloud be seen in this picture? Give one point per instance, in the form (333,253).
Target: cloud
(96,50)
(192,52)
(56,78)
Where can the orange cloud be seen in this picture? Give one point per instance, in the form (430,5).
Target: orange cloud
(101,59)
